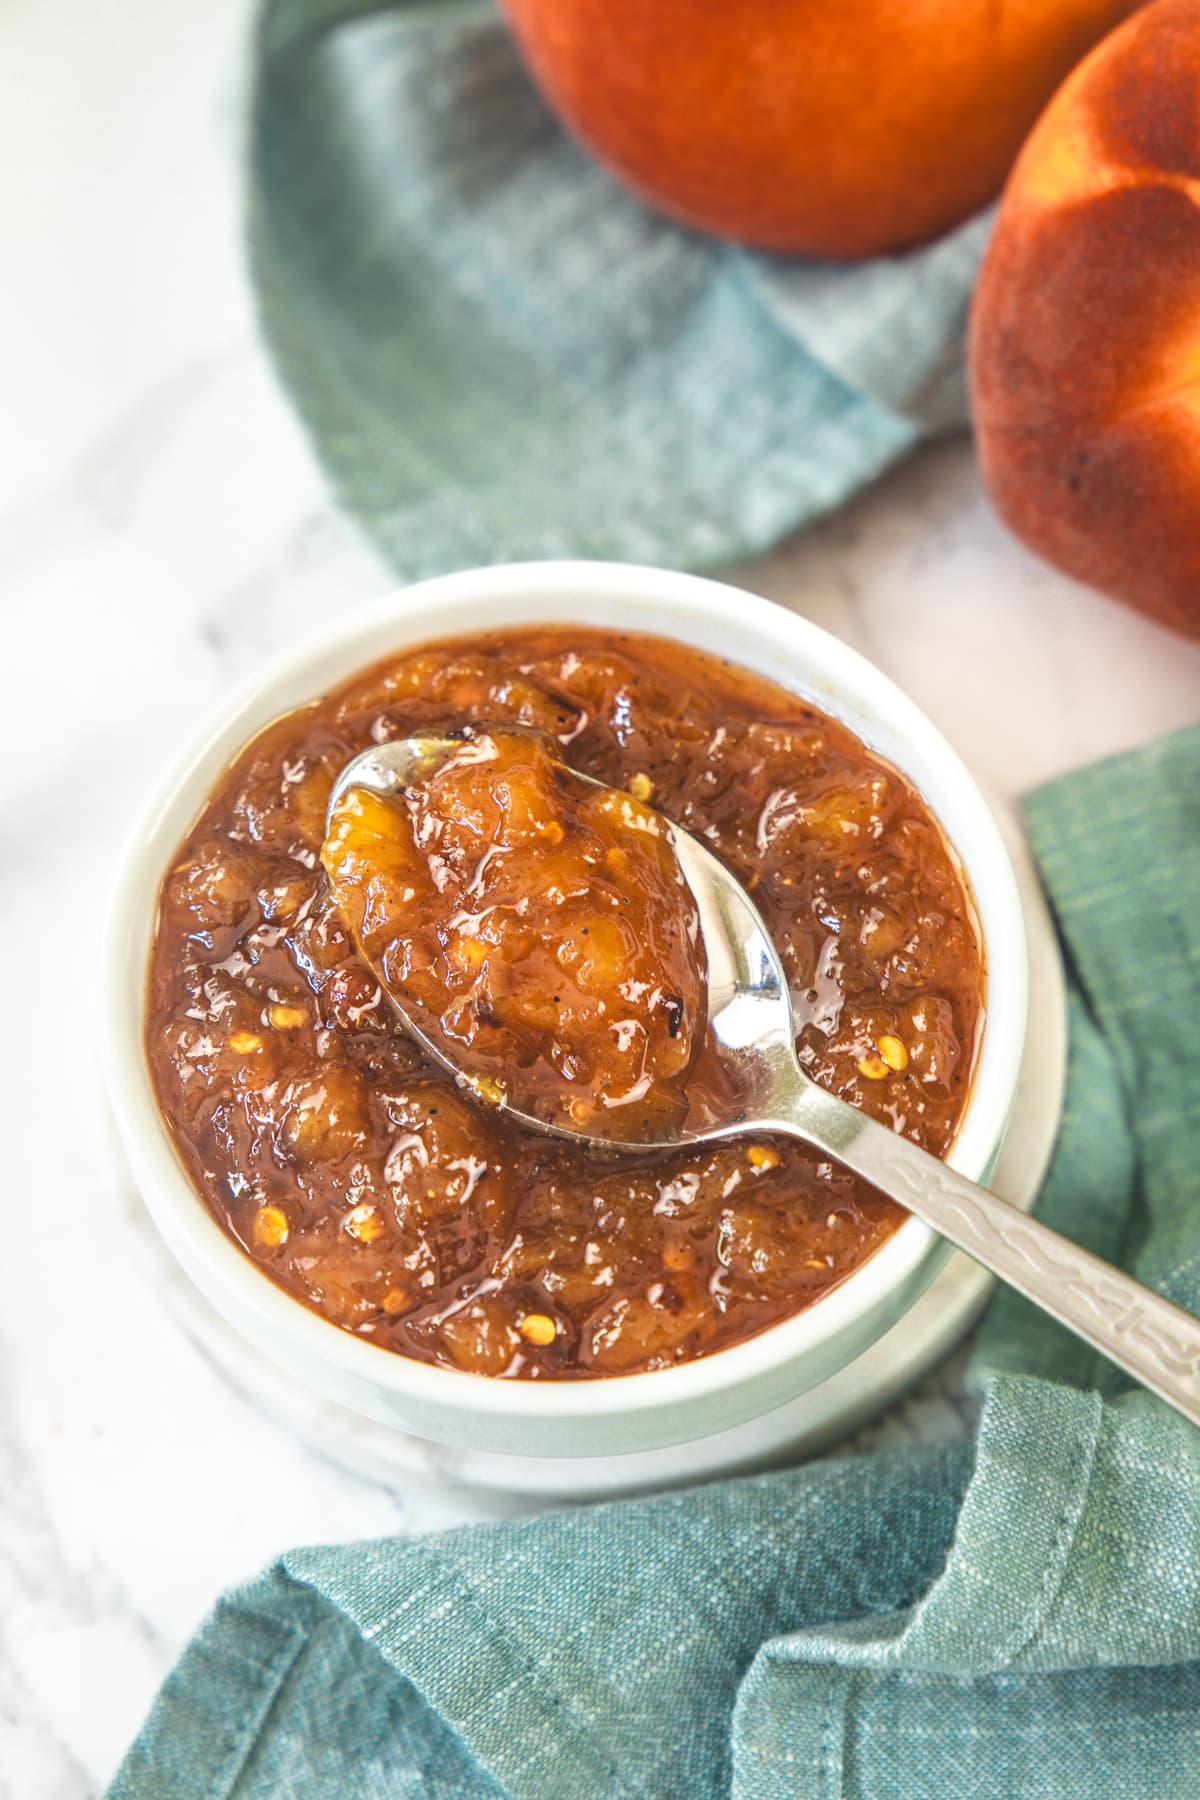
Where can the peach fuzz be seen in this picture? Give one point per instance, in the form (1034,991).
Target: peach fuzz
(1085,333)
(841,130)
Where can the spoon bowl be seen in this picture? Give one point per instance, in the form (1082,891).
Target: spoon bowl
(749,1010)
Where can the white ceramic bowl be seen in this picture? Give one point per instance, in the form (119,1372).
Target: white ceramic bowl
(621,1413)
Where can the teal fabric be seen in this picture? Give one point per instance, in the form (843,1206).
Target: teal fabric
(499,354)
(1017,1616)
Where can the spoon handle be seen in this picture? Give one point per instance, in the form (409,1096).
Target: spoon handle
(1153,1340)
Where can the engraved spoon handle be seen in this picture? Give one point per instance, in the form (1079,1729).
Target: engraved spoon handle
(1153,1340)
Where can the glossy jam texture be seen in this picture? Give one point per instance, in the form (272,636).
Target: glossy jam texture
(535,927)
(363,1181)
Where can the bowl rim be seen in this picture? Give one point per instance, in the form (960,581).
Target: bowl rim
(675,602)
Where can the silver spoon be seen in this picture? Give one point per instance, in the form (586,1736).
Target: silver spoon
(750,1020)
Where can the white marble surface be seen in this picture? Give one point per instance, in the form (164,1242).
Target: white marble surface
(161,524)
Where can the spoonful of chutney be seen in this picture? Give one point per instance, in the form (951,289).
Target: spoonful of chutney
(533,928)
(584,963)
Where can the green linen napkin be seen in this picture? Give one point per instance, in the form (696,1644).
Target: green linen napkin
(1015,1617)
(499,354)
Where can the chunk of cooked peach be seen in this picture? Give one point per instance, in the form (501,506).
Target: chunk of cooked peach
(536,927)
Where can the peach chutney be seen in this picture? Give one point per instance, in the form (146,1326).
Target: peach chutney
(539,931)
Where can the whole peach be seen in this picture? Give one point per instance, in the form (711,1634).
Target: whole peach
(1085,334)
(830,127)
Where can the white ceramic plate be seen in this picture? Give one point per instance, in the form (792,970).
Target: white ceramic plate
(859,1391)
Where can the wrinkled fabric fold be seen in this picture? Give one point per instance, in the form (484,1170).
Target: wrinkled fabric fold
(1019,1615)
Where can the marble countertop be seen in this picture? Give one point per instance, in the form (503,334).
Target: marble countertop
(161,526)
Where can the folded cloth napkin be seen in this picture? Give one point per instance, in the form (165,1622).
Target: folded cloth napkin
(1019,1616)
(500,354)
